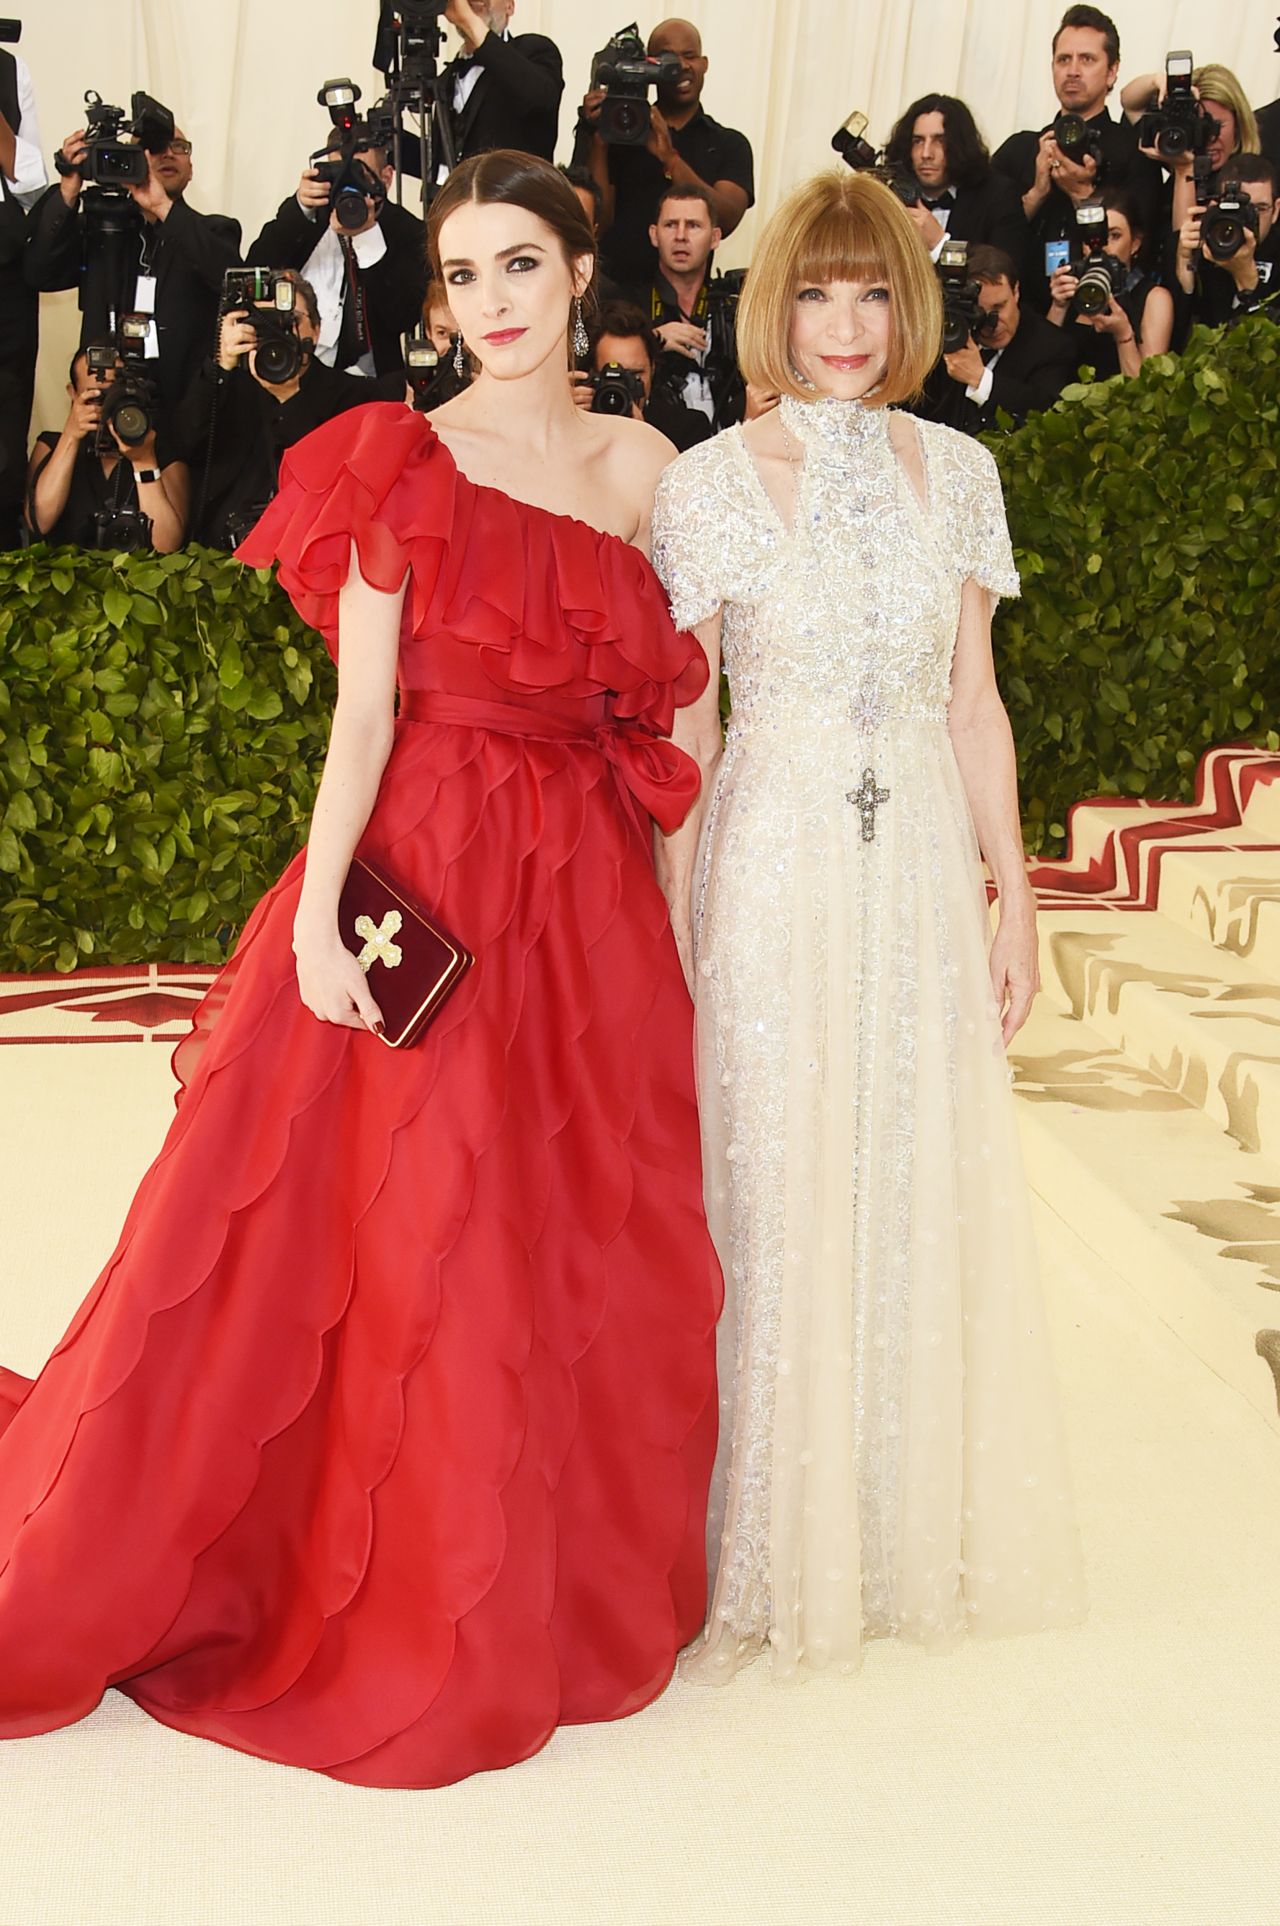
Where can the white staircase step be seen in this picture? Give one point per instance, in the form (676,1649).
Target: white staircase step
(1205,1022)
(1230,898)
(1162,1195)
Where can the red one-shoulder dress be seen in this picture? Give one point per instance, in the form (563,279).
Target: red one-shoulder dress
(381,1446)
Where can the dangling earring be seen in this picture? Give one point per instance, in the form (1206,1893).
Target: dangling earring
(581,339)
(459,360)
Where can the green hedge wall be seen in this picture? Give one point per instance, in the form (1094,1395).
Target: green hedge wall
(1145,518)
(162,725)
(163,718)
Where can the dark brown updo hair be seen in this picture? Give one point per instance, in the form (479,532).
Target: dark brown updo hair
(512,179)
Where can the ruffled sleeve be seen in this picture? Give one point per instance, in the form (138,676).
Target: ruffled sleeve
(688,536)
(374,477)
(976,515)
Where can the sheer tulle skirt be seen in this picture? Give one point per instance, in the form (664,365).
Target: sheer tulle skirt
(890,1458)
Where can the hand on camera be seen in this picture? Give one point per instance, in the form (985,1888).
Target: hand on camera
(926,224)
(151,196)
(473,26)
(760,401)
(659,142)
(592,101)
(313,193)
(966,365)
(1113,320)
(1046,156)
(1189,237)
(1062,286)
(583,392)
(235,338)
(685,337)
(1077,179)
(143,455)
(73,150)
(85,414)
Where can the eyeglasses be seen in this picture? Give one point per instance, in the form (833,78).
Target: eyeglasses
(181,147)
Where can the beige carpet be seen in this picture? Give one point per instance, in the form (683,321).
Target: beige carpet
(1123,1775)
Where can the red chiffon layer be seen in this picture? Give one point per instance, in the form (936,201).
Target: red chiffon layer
(382,1444)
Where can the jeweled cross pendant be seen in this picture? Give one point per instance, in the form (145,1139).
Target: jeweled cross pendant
(866,801)
(378,947)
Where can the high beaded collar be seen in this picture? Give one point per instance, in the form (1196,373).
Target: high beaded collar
(839,428)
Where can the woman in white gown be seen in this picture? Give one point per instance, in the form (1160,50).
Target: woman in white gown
(890,1456)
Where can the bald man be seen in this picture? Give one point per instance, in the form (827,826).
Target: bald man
(685,148)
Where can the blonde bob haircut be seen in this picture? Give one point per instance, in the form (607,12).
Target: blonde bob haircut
(1219,84)
(840,227)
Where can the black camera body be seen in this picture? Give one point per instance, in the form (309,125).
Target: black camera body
(850,142)
(281,353)
(433,379)
(616,390)
(1078,139)
(1099,275)
(352,184)
(905,186)
(1180,125)
(125,528)
(626,72)
(962,313)
(129,401)
(1227,219)
(111,160)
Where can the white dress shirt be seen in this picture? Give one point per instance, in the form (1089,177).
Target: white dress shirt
(981,390)
(326,271)
(29,178)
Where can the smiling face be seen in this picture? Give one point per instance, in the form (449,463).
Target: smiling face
(510,286)
(841,332)
(679,37)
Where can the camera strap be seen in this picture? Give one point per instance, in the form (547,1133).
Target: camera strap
(353,328)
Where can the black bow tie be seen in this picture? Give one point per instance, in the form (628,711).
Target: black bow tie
(943,200)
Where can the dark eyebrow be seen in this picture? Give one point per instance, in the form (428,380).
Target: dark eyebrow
(526,247)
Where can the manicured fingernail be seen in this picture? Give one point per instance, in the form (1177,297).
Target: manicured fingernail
(378,1030)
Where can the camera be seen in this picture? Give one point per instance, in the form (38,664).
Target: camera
(112,160)
(616,390)
(280,354)
(626,72)
(352,184)
(1180,125)
(124,528)
(1077,139)
(1099,275)
(962,315)
(1229,216)
(129,401)
(850,143)
(432,378)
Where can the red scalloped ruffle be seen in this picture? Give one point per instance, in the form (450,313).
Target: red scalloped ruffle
(592,618)
(382,1445)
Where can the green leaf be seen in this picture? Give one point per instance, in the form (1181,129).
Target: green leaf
(115,606)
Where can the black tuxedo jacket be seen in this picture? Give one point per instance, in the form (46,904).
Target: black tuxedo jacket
(991,216)
(1123,165)
(189,253)
(1030,374)
(394,288)
(516,100)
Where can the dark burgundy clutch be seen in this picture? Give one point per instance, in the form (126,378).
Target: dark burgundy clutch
(411,961)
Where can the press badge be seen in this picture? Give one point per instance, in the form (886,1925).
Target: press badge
(144,302)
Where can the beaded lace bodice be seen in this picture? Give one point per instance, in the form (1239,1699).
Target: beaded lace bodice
(850,615)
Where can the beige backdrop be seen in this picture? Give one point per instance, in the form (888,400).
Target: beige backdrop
(241,75)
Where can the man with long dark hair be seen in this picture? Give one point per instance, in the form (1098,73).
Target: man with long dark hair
(937,148)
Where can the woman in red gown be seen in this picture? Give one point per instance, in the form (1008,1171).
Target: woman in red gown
(382,1444)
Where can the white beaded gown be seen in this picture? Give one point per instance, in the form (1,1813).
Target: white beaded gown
(890,1458)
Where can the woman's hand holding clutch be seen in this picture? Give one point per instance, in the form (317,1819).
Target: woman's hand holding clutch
(330,981)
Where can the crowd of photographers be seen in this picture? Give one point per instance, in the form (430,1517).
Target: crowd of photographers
(1095,241)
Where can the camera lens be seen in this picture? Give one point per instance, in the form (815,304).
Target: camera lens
(349,207)
(278,361)
(630,119)
(1224,237)
(131,422)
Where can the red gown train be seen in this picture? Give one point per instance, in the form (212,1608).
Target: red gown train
(382,1444)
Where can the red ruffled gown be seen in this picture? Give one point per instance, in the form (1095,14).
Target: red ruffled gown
(382,1444)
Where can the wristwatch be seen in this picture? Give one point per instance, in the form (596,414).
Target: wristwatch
(146,474)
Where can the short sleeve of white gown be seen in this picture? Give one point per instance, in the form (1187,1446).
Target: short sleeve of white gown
(688,535)
(979,527)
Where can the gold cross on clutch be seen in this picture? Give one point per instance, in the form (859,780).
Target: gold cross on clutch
(378,947)
(866,801)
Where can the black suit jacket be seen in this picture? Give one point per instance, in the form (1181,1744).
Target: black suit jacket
(516,100)
(1123,165)
(1269,131)
(991,216)
(189,253)
(394,288)
(1030,374)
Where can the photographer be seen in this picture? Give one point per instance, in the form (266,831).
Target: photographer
(937,153)
(625,357)
(692,317)
(173,258)
(1022,364)
(237,418)
(504,89)
(22,181)
(85,494)
(1230,123)
(684,147)
(369,280)
(1225,260)
(1137,320)
(1083,150)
